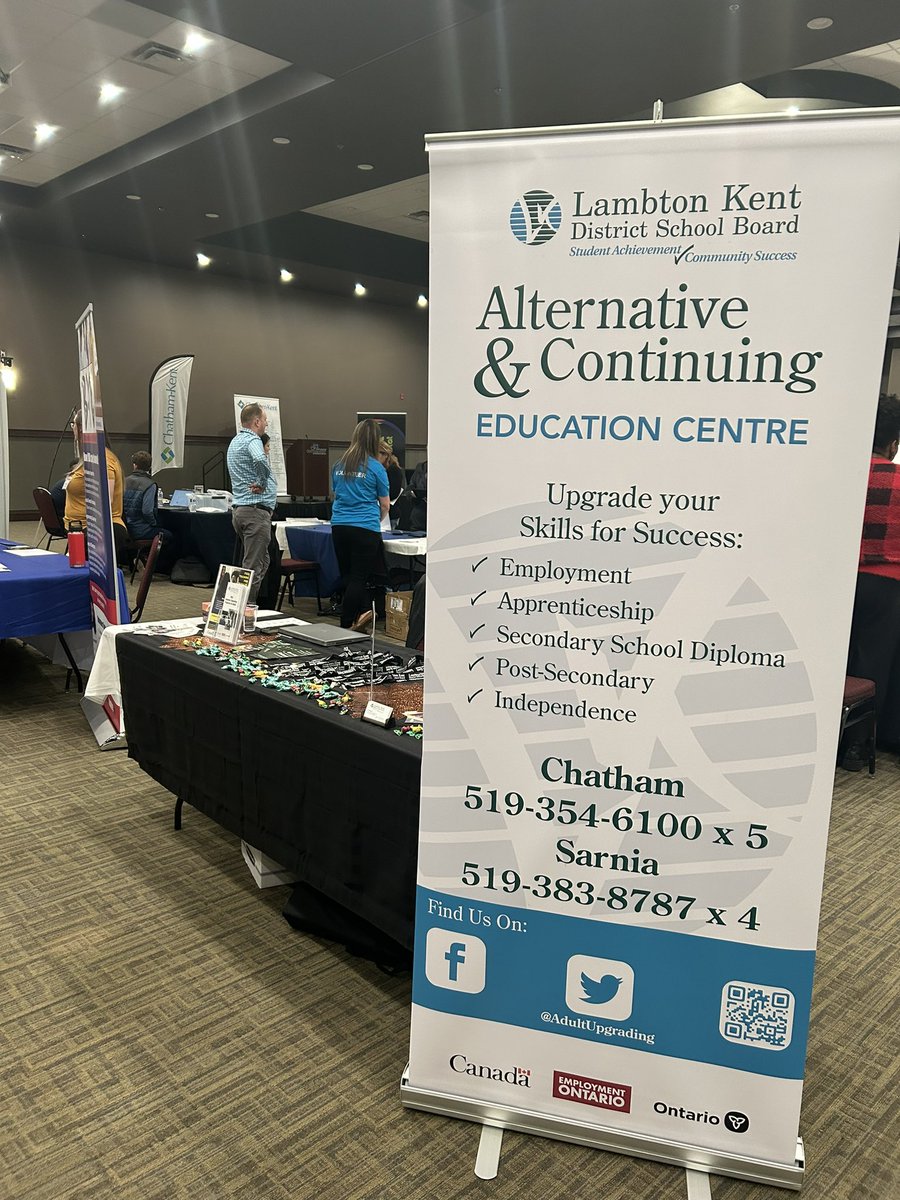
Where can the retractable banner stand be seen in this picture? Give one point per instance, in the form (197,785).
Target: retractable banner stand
(393,430)
(654,365)
(102,566)
(272,408)
(169,388)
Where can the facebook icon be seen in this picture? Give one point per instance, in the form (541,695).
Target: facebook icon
(455,955)
(455,960)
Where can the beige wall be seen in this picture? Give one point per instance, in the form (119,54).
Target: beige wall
(323,356)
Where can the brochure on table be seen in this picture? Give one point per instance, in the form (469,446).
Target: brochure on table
(643,338)
(225,621)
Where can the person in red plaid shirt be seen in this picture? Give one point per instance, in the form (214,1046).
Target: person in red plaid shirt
(875,632)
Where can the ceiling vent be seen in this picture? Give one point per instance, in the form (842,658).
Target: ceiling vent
(158,57)
(18,152)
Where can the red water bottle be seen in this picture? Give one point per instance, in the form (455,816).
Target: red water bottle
(76,548)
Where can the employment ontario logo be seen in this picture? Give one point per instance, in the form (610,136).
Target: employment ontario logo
(535,217)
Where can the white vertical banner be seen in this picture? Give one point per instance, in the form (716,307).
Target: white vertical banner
(169,388)
(4,463)
(654,367)
(272,408)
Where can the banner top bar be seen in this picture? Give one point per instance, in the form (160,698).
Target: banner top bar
(482,135)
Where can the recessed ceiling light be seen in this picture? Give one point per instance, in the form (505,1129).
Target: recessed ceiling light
(212,216)
(110,92)
(364,167)
(422,300)
(285,276)
(132,196)
(43,133)
(820,23)
(792,110)
(281,141)
(359,290)
(195,42)
(203,260)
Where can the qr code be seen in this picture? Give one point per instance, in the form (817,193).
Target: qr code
(755,1014)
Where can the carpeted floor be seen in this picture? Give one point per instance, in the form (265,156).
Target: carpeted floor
(165,1034)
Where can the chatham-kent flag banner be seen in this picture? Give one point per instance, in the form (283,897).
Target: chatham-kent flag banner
(654,368)
(169,389)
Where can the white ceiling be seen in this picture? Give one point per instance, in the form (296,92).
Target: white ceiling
(58,54)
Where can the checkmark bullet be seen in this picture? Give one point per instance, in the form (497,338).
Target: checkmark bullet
(473,665)
(474,694)
(472,632)
(475,599)
(475,566)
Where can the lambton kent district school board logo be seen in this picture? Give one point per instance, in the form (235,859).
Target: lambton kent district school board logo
(535,217)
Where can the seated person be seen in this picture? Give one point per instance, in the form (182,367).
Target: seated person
(76,511)
(418,485)
(58,493)
(140,504)
(875,632)
(140,500)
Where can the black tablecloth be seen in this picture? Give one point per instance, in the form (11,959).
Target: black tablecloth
(303,508)
(211,538)
(334,801)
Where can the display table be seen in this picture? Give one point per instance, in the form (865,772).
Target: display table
(332,800)
(40,594)
(312,541)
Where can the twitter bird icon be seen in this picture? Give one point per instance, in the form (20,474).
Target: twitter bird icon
(599,991)
(599,987)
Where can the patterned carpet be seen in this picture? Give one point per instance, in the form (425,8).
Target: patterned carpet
(165,1034)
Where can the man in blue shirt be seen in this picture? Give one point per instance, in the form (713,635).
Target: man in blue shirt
(255,493)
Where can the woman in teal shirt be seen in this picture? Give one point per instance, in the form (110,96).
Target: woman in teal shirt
(360,486)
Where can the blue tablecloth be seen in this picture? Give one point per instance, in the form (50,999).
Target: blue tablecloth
(314,542)
(43,594)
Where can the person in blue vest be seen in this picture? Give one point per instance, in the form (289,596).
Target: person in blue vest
(361,500)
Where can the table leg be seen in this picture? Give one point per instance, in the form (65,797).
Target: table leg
(72,664)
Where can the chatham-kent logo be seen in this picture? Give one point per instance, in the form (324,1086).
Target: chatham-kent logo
(736,1122)
(535,217)
(519,1076)
(599,1093)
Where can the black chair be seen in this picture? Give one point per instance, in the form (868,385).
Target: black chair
(48,514)
(138,549)
(290,569)
(146,579)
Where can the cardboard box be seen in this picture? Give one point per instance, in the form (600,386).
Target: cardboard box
(266,871)
(397,606)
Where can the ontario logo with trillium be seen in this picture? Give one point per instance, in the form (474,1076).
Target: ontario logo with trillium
(535,217)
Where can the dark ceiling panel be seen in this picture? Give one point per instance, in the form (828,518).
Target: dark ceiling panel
(331,36)
(305,238)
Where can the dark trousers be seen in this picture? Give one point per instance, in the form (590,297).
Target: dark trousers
(360,555)
(253,525)
(875,649)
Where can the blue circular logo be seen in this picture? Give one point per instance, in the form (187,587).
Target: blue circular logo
(535,217)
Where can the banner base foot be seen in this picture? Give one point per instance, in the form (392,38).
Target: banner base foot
(487,1161)
(108,738)
(691,1158)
